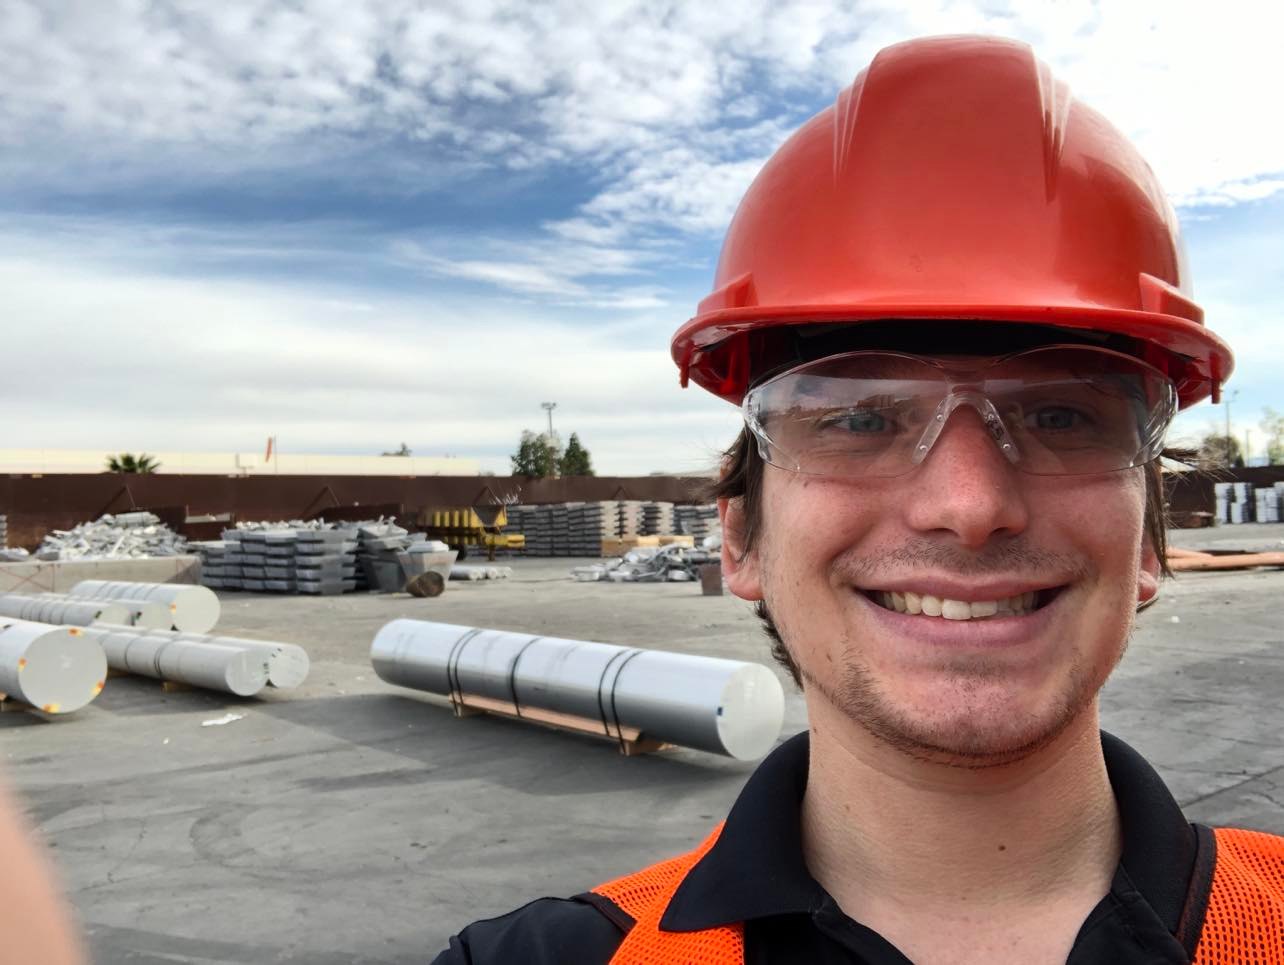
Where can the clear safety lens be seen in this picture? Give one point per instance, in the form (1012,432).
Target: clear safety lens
(1052,411)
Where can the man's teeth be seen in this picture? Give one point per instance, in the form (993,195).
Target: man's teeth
(935,606)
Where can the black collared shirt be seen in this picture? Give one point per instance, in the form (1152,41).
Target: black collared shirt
(755,874)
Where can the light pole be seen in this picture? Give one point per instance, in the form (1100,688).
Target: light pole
(549,407)
(1227,397)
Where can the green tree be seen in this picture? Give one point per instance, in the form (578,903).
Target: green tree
(128,462)
(576,460)
(1218,449)
(1273,425)
(536,456)
(403,451)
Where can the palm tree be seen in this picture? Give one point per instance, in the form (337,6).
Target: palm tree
(128,462)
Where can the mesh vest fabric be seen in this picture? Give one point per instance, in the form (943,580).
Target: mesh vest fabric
(645,895)
(1244,923)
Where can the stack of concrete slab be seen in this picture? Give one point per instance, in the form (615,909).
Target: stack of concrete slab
(657,519)
(590,523)
(1234,502)
(696,521)
(1268,503)
(214,565)
(4,531)
(325,561)
(536,524)
(629,517)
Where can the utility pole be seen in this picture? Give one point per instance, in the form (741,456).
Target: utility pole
(1226,399)
(549,407)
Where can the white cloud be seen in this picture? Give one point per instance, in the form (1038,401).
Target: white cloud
(116,358)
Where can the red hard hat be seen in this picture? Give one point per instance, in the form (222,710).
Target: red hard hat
(956,179)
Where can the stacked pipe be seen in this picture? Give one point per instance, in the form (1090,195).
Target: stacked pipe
(229,664)
(721,706)
(54,669)
(60,610)
(189,608)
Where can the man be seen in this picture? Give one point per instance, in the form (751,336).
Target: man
(955,312)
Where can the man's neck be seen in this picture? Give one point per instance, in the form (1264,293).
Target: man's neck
(890,836)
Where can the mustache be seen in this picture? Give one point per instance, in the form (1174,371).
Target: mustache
(1003,559)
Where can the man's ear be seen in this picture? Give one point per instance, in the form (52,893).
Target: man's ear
(739,569)
(1148,574)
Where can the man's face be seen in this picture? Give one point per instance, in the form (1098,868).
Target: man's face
(965,531)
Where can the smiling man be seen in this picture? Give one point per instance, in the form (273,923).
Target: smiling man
(955,313)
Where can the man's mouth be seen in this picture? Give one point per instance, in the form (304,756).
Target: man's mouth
(927,605)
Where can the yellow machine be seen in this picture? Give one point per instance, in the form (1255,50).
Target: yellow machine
(471,526)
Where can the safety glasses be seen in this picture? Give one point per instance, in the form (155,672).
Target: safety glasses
(1052,411)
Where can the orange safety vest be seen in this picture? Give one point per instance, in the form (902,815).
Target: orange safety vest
(1243,923)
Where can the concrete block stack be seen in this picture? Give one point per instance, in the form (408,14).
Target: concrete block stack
(4,531)
(536,524)
(1268,503)
(591,523)
(214,565)
(1234,502)
(696,521)
(629,516)
(326,561)
(657,519)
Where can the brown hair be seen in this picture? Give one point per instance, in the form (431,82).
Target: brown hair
(741,478)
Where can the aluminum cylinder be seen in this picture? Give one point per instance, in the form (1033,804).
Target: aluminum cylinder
(193,609)
(170,656)
(146,615)
(61,610)
(722,706)
(56,669)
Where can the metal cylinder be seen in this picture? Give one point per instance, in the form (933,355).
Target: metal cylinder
(145,615)
(192,609)
(61,611)
(55,669)
(722,706)
(286,665)
(170,656)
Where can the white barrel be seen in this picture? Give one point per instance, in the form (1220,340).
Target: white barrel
(56,669)
(170,656)
(193,609)
(722,706)
(61,610)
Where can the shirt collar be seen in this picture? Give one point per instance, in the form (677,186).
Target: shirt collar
(756,867)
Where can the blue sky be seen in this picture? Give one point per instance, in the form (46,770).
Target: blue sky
(354,224)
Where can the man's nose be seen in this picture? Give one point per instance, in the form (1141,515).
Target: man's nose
(966,486)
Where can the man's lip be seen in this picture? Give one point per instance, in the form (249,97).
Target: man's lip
(998,632)
(967,591)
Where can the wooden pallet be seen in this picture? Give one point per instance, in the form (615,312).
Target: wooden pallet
(166,686)
(631,741)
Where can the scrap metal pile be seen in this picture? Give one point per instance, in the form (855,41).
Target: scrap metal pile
(122,536)
(650,564)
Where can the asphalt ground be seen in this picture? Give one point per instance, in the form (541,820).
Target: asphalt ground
(352,821)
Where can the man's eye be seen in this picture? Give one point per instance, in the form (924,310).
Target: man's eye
(1057,418)
(863,422)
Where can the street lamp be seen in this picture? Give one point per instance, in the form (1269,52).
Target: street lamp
(549,407)
(1227,398)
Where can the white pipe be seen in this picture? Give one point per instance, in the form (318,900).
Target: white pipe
(170,656)
(722,706)
(193,609)
(55,669)
(287,665)
(61,610)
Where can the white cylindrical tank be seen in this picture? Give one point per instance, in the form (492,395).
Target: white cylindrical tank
(170,656)
(61,610)
(55,669)
(193,609)
(722,706)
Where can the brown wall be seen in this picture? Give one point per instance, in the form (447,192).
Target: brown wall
(37,504)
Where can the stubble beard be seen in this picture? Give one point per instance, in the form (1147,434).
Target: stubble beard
(974,734)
